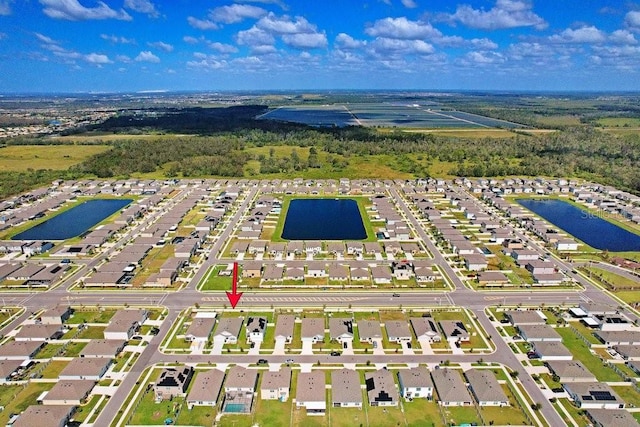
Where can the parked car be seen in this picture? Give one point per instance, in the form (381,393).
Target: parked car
(335,353)
(262,361)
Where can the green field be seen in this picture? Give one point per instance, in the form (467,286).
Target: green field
(58,157)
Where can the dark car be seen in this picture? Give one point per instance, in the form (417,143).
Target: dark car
(262,361)
(335,353)
(395,295)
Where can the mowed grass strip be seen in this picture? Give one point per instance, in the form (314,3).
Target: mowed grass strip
(17,158)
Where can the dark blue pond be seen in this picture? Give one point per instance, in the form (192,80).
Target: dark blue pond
(588,227)
(75,221)
(323,219)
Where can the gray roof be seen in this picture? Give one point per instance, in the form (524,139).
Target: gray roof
(454,328)
(397,328)
(628,351)
(284,325)
(415,377)
(20,348)
(381,387)
(551,349)
(449,385)
(70,390)
(239,377)
(124,319)
(256,324)
(612,417)
(82,366)
(522,317)
(312,326)
(631,337)
(8,367)
(34,331)
(423,326)
(206,386)
(230,325)
(339,326)
(44,415)
(274,380)
(485,386)
(311,387)
(570,369)
(585,391)
(537,332)
(105,348)
(201,327)
(369,329)
(345,386)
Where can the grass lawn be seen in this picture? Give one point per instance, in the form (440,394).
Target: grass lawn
(91,316)
(48,351)
(58,157)
(54,368)
(581,352)
(73,349)
(629,394)
(271,412)
(83,411)
(422,413)
(212,282)
(629,297)
(150,413)
(17,398)
(199,416)
(581,420)
(510,415)
(384,417)
(461,415)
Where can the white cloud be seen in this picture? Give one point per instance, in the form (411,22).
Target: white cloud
(482,58)
(402,28)
(305,40)
(97,59)
(284,24)
(190,40)
(202,24)
(45,39)
(584,34)
(387,47)
(410,4)
(280,3)
(207,62)
(142,6)
(254,37)
(5,7)
(117,39)
(161,45)
(222,47)
(505,14)
(123,58)
(72,10)
(345,41)
(632,20)
(265,49)
(484,44)
(236,13)
(147,56)
(622,37)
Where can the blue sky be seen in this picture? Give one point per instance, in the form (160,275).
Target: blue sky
(137,45)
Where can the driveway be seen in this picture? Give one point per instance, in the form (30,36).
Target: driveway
(217,346)
(255,350)
(425,345)
(307,347)
(279,348)
(377,347)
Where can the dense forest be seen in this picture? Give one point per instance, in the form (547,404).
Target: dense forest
(223,142)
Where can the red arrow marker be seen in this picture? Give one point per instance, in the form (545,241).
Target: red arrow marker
(234,295)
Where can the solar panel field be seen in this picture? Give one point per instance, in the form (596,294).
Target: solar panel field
(385,115)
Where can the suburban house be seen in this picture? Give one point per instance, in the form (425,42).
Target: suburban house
(38,332)
(381,275)
(533,333)
(284,328)
(276,385)
(251,269)
(454,331)
(228,330)
(68,392)
(316,269)
(103,348)
(524,317)
(452,391)
(369,330)
(570,371)
(415,383)
(45,415)
(200,329)
(20,350)
(593,395)
(551,350)
(239,389)
(628,352)
(345,389)
(7,368)
(485,388)
(85,368)
(124,324)
(206,388)
(56,316)
(312,329)
(611,417)
(381,388)
(425,329)
(311,392)
(255,329)
(475,262)
(611,338)
(397,331)
(172,383)
(341,329)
